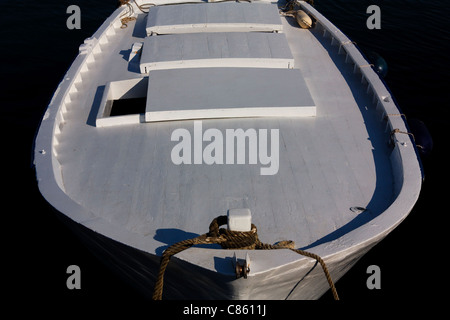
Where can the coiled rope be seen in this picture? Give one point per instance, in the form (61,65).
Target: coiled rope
(128,16)
(231,240)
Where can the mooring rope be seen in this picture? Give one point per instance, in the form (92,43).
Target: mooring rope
(231,240)
(128,16)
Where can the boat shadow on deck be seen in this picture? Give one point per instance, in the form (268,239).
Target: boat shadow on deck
(173,235)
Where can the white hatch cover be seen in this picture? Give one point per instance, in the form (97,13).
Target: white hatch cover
(213,17)
(227,49)
(202,93)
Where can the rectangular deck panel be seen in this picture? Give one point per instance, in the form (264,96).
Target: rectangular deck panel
(228,49)
(213,17)
(205,93)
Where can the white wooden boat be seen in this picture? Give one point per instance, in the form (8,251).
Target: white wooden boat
(170,118)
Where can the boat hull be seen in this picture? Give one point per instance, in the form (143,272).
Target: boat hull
(202,273)
(301,280)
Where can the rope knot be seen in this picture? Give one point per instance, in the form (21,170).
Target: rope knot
(229,239)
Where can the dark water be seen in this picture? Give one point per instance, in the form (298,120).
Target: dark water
(37,49)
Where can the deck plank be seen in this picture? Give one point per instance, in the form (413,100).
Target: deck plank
(218,17)
(203,93)
(224,49)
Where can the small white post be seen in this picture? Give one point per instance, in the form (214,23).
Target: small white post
(239,220)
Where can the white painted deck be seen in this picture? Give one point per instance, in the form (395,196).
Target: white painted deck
(328,163)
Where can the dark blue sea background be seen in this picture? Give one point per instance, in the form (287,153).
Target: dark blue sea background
(36,50)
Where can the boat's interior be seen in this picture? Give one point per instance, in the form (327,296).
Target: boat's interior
(312,120)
